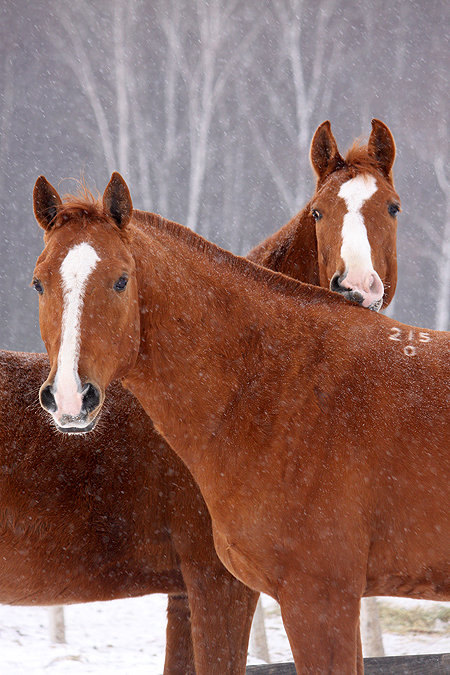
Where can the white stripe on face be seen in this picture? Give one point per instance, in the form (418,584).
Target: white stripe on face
(75,270)
(355,249)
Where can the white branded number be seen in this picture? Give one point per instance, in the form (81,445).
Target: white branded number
(395,332)
(409,349)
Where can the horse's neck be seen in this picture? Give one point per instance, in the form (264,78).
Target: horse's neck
(205,326)
(292,250)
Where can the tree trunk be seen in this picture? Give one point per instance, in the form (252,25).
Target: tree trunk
(371,635)
(56,624)
(121,76)
(443,289)
(258,638)
(443,300)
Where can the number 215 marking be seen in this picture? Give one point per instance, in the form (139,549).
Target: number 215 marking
(408,350)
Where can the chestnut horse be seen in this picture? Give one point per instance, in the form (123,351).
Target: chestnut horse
(346,244)
(90,571)
(316,432)
(137,531)
(108,516)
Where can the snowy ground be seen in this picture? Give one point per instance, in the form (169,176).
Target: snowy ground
(128,637)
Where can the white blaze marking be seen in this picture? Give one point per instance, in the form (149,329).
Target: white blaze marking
(75,270)
(355,249)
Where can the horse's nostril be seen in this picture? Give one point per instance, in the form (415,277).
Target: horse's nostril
(47,399)
(335,283)
(91,398)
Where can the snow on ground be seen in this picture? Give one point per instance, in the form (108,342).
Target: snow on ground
(128,637)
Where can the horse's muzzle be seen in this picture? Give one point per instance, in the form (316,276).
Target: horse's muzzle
(67,422)
(361,297)
(77,429)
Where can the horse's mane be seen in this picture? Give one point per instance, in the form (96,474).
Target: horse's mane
(84,205)
(275,280)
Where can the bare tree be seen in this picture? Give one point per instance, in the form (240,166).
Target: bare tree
(165,121)
(120,21)
(204,77)
(79,61)
(443,292)
(371,634)
(6,109)
(57,624)
(437,243)
(433,151)
(124,121)
(258,638)
(298,90)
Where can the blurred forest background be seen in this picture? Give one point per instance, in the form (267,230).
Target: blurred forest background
(208,109)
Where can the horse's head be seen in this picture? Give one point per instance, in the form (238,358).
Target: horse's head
(355,207)
(88,299)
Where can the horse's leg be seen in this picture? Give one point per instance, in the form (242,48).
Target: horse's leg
(322,624)
(221,615)
(179,651)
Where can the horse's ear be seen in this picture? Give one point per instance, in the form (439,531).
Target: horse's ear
(46,201)
(381,146)
(325,157)
(117,201)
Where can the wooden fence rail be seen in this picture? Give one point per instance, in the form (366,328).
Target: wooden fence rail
(424,664)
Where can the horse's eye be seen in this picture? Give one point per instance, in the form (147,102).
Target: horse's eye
(316,215)
(393,209)
(120,284)
(38,286)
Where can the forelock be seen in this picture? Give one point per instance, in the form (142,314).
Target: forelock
(358,159)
